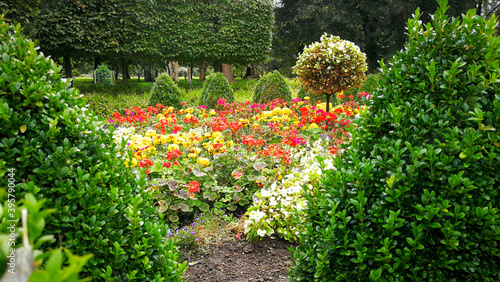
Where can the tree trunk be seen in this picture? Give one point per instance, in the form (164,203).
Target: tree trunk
(217,67)
(124,71)
(203,71)
(371,48)
(228,73)
(174,70)
(250,73)
(189,75)
(67,68)
(147,74)
(97,62)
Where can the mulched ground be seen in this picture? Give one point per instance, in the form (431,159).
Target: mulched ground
(238,260)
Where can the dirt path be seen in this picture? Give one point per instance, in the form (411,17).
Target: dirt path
(237,260)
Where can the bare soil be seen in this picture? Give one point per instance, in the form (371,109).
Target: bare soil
(238,260)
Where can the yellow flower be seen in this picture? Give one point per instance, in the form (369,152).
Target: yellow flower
(192,155)
(313,126)
(306,98)
(212,112)
(190,110)
(230,143)
(203,161)
(173,147)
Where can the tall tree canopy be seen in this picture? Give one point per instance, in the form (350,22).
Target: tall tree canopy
(191,31)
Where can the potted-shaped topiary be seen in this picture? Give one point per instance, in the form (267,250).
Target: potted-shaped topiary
(272,86)
(416,195)
(165,92)
(331,66)
(216,87)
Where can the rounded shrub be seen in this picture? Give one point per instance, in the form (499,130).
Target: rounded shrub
(331,66)
(272,86)
(216,87)
(416,196)
(313,99)
(165,92)
(59,152)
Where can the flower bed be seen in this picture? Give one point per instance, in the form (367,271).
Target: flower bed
(238,156)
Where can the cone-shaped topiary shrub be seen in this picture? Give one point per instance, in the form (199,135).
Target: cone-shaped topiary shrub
(165,92)
(216,87)
(272,86)
(313,99)
(58,151)
(416,195)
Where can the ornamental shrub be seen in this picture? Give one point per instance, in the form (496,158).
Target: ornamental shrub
(103,75)
(272,86)
(165,92)
(60,153)
(331,66)
(313,99)
(415,197)
(216,87)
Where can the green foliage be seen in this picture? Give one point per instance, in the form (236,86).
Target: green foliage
(62,154)
(416,195)
(103,75)
(216,87)
(272,86)
(15,260)
(104,100)
(313,99)
(165,92)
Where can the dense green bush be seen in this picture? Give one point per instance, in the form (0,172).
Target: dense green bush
(416,195)
(62,154)
(165,92)
(272,86)
(313,99)
(216,87)
(103,75)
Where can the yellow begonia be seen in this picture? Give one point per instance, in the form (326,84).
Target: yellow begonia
(203,161)
(313,126)
(173,147)
(190,110)
(192,155)
(213,112)
(306,98)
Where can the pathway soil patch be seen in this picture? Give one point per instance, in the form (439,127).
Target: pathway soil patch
(238,260)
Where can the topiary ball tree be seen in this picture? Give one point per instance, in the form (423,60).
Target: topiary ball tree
(331,66)
(416,196)
(272,86)
(216,87)
(52,147)
(165,92)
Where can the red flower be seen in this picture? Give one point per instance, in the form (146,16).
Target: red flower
(167,165)
(193,186)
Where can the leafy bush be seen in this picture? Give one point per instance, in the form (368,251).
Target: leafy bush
(103,75)
(18,263)
(272,86)
(61,153)
(165,92)
(416,195)
(216,87)
(313,99)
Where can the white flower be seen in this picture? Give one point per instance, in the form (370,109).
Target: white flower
(264,193)
(261,232)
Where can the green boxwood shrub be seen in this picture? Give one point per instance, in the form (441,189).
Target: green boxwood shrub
(416,196)
(216,87)
(165,92)
(60,153)
(272,86)
(313,99)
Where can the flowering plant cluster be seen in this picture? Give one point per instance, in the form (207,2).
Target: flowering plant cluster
(196,158)
(279,208)
(331,66)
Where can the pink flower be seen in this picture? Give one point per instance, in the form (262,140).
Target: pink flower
(110,120)
(183,103)
(222,101)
